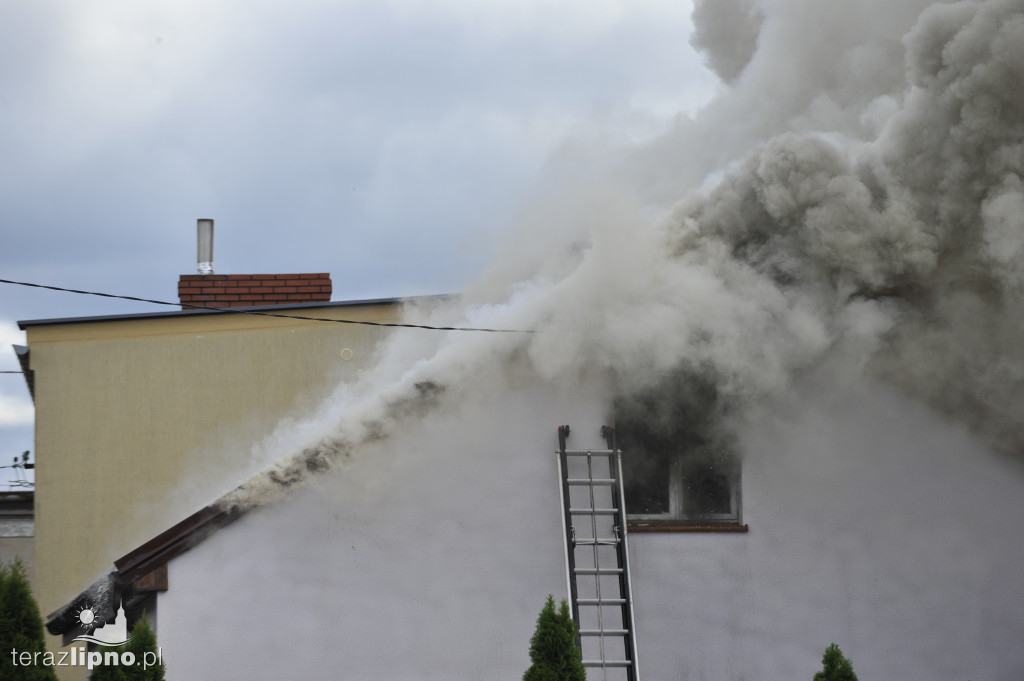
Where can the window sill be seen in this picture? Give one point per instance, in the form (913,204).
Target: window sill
(682,526)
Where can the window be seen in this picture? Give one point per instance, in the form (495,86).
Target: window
(678,471)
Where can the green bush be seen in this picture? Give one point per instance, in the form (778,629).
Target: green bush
(141,641)
(21,626)
(835,666)
(553,649)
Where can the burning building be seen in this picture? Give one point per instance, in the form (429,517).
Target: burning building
(811,365)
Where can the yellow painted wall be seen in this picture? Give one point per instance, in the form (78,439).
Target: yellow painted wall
(130,413)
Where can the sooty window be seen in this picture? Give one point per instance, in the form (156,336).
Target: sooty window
(678,468)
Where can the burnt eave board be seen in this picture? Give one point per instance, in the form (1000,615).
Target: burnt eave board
(107,591)
(173,542)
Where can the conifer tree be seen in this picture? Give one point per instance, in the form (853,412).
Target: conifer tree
(553,649)
(108,672)
(141,641)
(835,666)
(21,627)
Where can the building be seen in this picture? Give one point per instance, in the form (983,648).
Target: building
(139,415)
(17,527)
(849,514)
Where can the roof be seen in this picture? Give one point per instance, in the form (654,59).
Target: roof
(130,569)
(22,352)
(238,310)
(17,504)
(174,541)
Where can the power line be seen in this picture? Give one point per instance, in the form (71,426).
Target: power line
(263,313)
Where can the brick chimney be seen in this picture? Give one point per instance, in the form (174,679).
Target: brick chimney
(248,290)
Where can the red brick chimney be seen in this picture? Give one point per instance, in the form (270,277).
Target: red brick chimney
(247,290)
(207,289)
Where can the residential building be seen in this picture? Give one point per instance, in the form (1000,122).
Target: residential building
(139,415)
(424,547)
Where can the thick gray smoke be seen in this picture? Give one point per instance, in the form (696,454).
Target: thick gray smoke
(856,191)
(726,31)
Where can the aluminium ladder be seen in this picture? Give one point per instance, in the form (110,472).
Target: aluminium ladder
(597,557)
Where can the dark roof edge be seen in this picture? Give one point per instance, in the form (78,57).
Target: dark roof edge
(24,357)
(143,560)
(174,541)
(23,324)
(98,596)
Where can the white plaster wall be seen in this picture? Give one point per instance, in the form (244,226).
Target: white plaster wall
(429,556)
(873,524)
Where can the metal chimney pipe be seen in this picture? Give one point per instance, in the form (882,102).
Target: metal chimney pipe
(204,253)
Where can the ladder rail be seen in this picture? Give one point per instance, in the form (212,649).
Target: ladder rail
(624,576)
(605,632)
(567,531)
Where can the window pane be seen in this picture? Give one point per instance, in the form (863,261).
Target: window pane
(645,480)
(678,463)
(706,493)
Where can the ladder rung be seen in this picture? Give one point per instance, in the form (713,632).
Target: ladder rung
(593,511)
(585,452)
(592,481)
(607,663)
(603,632)
(599,541)
(599,571)
(600,601)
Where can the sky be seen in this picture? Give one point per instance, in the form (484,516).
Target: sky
(389,143)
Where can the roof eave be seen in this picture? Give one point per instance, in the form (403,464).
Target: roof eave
(23,324)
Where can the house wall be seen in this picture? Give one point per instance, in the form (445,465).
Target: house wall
(873,524)
(427,556)
(139,422)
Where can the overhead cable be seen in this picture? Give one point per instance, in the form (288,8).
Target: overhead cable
(263,313)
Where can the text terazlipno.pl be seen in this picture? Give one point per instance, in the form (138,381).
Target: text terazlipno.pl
(77,657)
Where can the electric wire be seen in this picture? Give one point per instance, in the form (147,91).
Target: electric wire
(263,313)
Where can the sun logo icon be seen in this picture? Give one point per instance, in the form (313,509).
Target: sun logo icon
(87,617)
(100,631)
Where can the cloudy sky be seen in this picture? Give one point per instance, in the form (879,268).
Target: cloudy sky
(386,142)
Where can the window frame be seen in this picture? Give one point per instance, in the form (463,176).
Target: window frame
(676,517)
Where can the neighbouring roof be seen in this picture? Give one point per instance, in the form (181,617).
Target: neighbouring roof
(196,312)
(30,377)
(17,504)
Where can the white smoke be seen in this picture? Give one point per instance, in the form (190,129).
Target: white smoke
(870,204)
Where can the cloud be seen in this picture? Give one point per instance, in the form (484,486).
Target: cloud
(16,407)
(15,411)
(322,136)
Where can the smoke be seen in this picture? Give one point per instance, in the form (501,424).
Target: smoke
(856,191)
(726,30)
